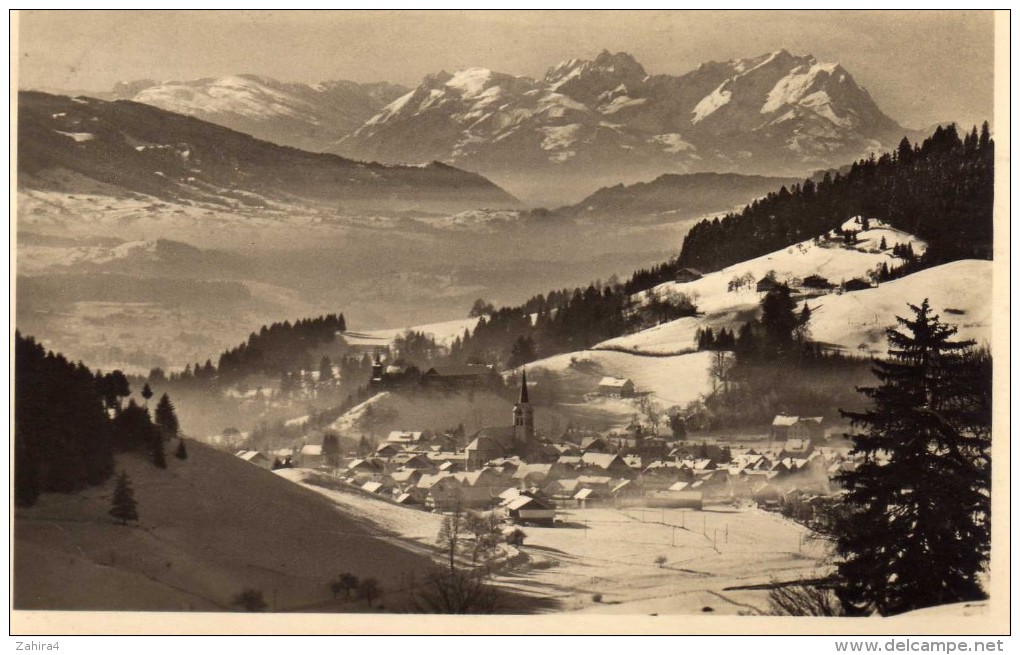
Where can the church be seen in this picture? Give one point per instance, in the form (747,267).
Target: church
(517,439)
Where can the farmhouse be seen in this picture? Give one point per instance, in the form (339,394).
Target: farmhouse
(457,376)
(254,457)
(310,457)
(525,509)
(616,387)
(856,284)
(767,284)
(797,427)
(688,275)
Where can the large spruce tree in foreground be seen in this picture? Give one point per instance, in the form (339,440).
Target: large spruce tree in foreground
(916,532)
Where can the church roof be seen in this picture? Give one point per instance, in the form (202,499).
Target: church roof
(501,438)
(524,387)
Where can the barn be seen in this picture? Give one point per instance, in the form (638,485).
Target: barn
(616,387)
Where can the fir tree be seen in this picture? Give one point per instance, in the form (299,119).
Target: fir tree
(124,507)
(181,452)
(146,393)
(916,532)
(166,418)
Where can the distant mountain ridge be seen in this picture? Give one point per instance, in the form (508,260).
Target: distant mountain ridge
(607,119)
(675,196)
(592,122)
(305,116)
(133,147)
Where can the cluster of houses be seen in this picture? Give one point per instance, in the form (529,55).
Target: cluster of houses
(509,468)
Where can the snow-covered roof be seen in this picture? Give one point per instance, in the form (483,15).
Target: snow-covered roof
(312,449)
(784,421)
(403,436)
(614,382)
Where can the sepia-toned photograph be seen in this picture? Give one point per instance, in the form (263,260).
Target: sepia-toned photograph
(684,317)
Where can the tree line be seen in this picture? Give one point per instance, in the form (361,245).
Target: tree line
(69,422)
(941,190)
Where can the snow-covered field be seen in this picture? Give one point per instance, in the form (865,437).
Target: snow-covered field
(444,333)
(675,380)
(855,321)
(613,552)
(959,292)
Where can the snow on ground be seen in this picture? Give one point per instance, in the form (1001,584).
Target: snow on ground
(675,380)
(719,307)
(444,333)
(613,551)
(210,526)
(959,292)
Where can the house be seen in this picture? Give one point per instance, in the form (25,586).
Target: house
(767,284)
(310,457)
(457,376)
(613,465)
(594,445)
(254,457)
(562,489)
(374,487)
(616,387)
(588,496)
(387,450)
(816,282)
(856,284)
(525,509)
(796,449)
(406,499)
(685,275)
(404,437)
(530,475)
(797,427)
(406,477)
(412,461)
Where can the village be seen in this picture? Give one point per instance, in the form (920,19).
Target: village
(530,479)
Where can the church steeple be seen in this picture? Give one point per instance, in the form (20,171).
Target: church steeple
(524,419)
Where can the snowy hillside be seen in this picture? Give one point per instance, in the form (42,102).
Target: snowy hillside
(196,518)
(675,380)
(959,292)
(827,257)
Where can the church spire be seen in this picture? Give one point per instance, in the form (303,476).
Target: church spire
(524,387)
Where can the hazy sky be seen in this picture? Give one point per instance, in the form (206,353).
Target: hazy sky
(920,67)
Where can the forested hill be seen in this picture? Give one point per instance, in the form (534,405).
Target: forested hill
(69,422)
(940,190)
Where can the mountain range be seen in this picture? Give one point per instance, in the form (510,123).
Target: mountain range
(590,122)
(131,147)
